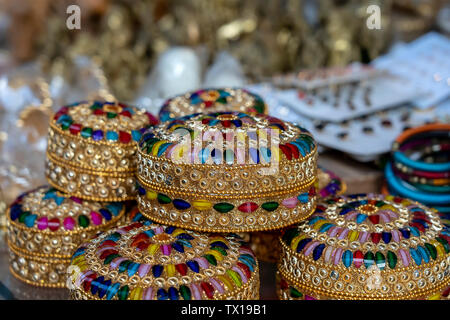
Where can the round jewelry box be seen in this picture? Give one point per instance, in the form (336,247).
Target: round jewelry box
(212,100)
(260,176)
(45,227)
(147,261)
(265,244)
(366,247)
(91,149)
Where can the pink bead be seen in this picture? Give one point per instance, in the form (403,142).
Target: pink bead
(343,234)
(159,230)
(96,218)
(196,291)
(202,262)
(42,223)
(143,270)
(310,247)
(328,254)
(405,257)
(217,284)
(148,294)
(290,202)
(69,223)
(337,256)
(333,231)
(166,249)
(351,215)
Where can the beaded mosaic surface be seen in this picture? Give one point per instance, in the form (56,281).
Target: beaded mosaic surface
(328,183)
(47,209)
(146,261)
(294,142)
(349,237)
(212,100)
(104,121)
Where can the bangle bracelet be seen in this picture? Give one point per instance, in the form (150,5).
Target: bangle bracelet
(399,187)
(414,131)
(432,188)
(434,167)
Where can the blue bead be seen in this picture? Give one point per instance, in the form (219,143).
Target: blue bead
(254,154)
(193,265)
(103,287)
(169,230)
(112,290)
(58,200)
(115,207)
(30,219)
(181,204)
(248,258)
(303,198)
(301,245)
(157,270)
(219,244)
(345,210)
(405,233)
(106,214)
(237,123)
(132,268)
(247,263)
(347,258)
(415,232)
(95,283)
(317,252)
(424,253)
(416,256)
(173,293)
(112,136)
(150,233)
(162,294)
(178,247)
(325,227)
(136,135)
(360,218)
(141,191)
(386,236)
(266,153)
(315,219)
(185,236)
(15,211)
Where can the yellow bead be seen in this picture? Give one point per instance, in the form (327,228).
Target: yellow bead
(151,195)
(136,294)
(436,296)
(202,205)
(216,254)
(296,240)
(156,147)
(353,235)
(177,232)
(153,248)
(319,223)
(170,270)
(227,282)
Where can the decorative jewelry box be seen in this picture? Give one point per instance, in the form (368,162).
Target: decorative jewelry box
(147,261)
(265,244)
(367,247)
(45,227)
(91,149)
(212,100)
(240,173)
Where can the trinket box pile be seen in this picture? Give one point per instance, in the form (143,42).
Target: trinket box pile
(90,165)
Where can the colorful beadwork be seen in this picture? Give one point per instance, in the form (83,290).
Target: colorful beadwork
(147,261)
(45,227)
(91,149)
(349,238)
(104,121)
(211,100)
(228,187)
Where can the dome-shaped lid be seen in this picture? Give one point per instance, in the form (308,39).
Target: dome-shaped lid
(49,211)
(102,121)
(145,261)
(368,246)
(212,100)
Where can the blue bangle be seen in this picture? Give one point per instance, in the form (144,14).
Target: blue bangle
(399,187)
(418,165)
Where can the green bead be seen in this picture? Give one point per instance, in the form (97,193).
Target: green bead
(369,258)
(66,124)
(432,250)
(221,250)
(110,258)
(23,215)
(83,221)
(211,259)
(444,244)
(294,293)
(222,100)
(270,206)
(259,106)
(379,203)
(111,115)
(392,259)
(185,292)
(96,105)
(123,292)
(163,199)
(223,207)
(380,260)
(86,132)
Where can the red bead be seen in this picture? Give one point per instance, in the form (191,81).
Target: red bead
(245,269)
(358,258)
(375,219)
(107,243)
(248,207)
(226,123)
(124,137)
(99,112)
(205,121)
(143,246)
(287,151)
(87,281)
(126,113)
(75,128)
(53,224)
(446,292)
(152,119)
(418,226)
(107,253)
(375,237)
(283,284)
(208,289)
(208,104)
(142,237)
(312,192)
(294,150)
(181,268)
(132,226)
(398,199)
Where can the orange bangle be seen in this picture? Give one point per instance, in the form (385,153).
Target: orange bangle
(428,127)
